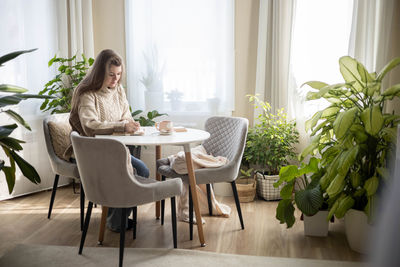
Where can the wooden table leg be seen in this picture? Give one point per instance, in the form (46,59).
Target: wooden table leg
(192,183)
(104,211)
(158,178)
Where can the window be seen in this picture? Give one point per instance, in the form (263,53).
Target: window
(188,47)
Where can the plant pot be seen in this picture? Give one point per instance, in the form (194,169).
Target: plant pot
(265,187)
(316,225)
(246,188)
(358,230)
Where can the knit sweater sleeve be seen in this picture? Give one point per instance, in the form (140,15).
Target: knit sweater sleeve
(90,121)
(126,114)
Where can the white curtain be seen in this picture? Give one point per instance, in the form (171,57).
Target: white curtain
(273,52)
(28,24)
(192,42)
(373,42)
(75,28)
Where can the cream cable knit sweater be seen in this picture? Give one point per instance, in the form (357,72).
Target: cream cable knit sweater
(101,112)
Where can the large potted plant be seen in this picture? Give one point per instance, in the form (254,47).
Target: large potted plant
(71,72)
(303,190)
(354,137)
(9,144)
(269,146)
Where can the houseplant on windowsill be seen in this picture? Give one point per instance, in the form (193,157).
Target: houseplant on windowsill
(175,98)
(152,80)
(269,146)
(355,139)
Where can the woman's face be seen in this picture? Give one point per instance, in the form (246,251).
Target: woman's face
(113,74)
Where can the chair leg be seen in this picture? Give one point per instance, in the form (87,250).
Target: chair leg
(190,215)
(173,219)
(134,215)
(209,199)
(162,204)
(53,195)
(104,211)
(82,195)
(235,194)
(86,226)
(122,237)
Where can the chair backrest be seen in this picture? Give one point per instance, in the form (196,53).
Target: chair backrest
(58,165)
(104,169)
(227,138)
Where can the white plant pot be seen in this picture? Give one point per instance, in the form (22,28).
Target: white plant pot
(316,225)
(358,230)
(154,100)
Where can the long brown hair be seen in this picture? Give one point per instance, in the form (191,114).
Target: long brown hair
(94,79)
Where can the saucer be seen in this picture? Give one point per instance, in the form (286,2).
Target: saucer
(166,133)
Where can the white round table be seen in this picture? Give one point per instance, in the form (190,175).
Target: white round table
(153,137)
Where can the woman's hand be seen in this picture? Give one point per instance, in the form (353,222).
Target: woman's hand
(131,126)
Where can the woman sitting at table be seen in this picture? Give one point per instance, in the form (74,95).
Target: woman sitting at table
(99,106)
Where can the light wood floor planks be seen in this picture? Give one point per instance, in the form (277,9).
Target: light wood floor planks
(24,220)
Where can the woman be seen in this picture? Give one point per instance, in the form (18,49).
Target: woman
(99,106)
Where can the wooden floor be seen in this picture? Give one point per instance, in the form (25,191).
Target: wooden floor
(24,220)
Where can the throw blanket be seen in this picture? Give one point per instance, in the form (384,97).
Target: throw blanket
(200,160)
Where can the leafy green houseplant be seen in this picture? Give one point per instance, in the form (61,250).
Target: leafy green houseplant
(148,119)
(9,144)
(354,136)
(269,145)
(71,72)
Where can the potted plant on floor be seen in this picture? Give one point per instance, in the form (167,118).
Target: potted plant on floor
(304,192)
(269,146)
(246,185)
(355,138)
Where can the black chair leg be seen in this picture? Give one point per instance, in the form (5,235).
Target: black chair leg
(190,215)
(122,237)
(134,214)
(82,195)
(235,194)
(53,195)
(173,219)
(86,226)
(208,186)
(162,204)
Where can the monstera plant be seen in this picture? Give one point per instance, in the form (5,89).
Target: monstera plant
(354,135)
(9,144)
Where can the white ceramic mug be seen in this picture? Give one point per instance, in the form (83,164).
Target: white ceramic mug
(164,126)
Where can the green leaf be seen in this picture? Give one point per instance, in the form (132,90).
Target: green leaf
(315,84)
(137,112)
(346,159)
(6,130)
(392,64)
(372,119)
(308,150)
(13,55)
(349,70)
(10,177)
(371,185)
(343,122)
(309,201)
(336,185)
(51,61)
(27,169)
(12,88)
(313,121)
(285,212)
(359,133)
(391,92)
(287,190)
(18,118)
(344,205)
(330,111)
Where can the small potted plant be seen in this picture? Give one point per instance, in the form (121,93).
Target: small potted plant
(246,185)
(269,146)
(175,99)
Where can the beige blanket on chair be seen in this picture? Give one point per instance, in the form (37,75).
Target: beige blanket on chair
(200,159)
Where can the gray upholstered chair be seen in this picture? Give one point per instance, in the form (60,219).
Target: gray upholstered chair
(108,179)
(228,139)
(56,133)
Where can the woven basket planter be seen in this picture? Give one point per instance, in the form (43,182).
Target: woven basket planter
(265,187)
(246,189)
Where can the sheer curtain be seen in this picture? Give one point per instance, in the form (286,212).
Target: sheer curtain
(189,46)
